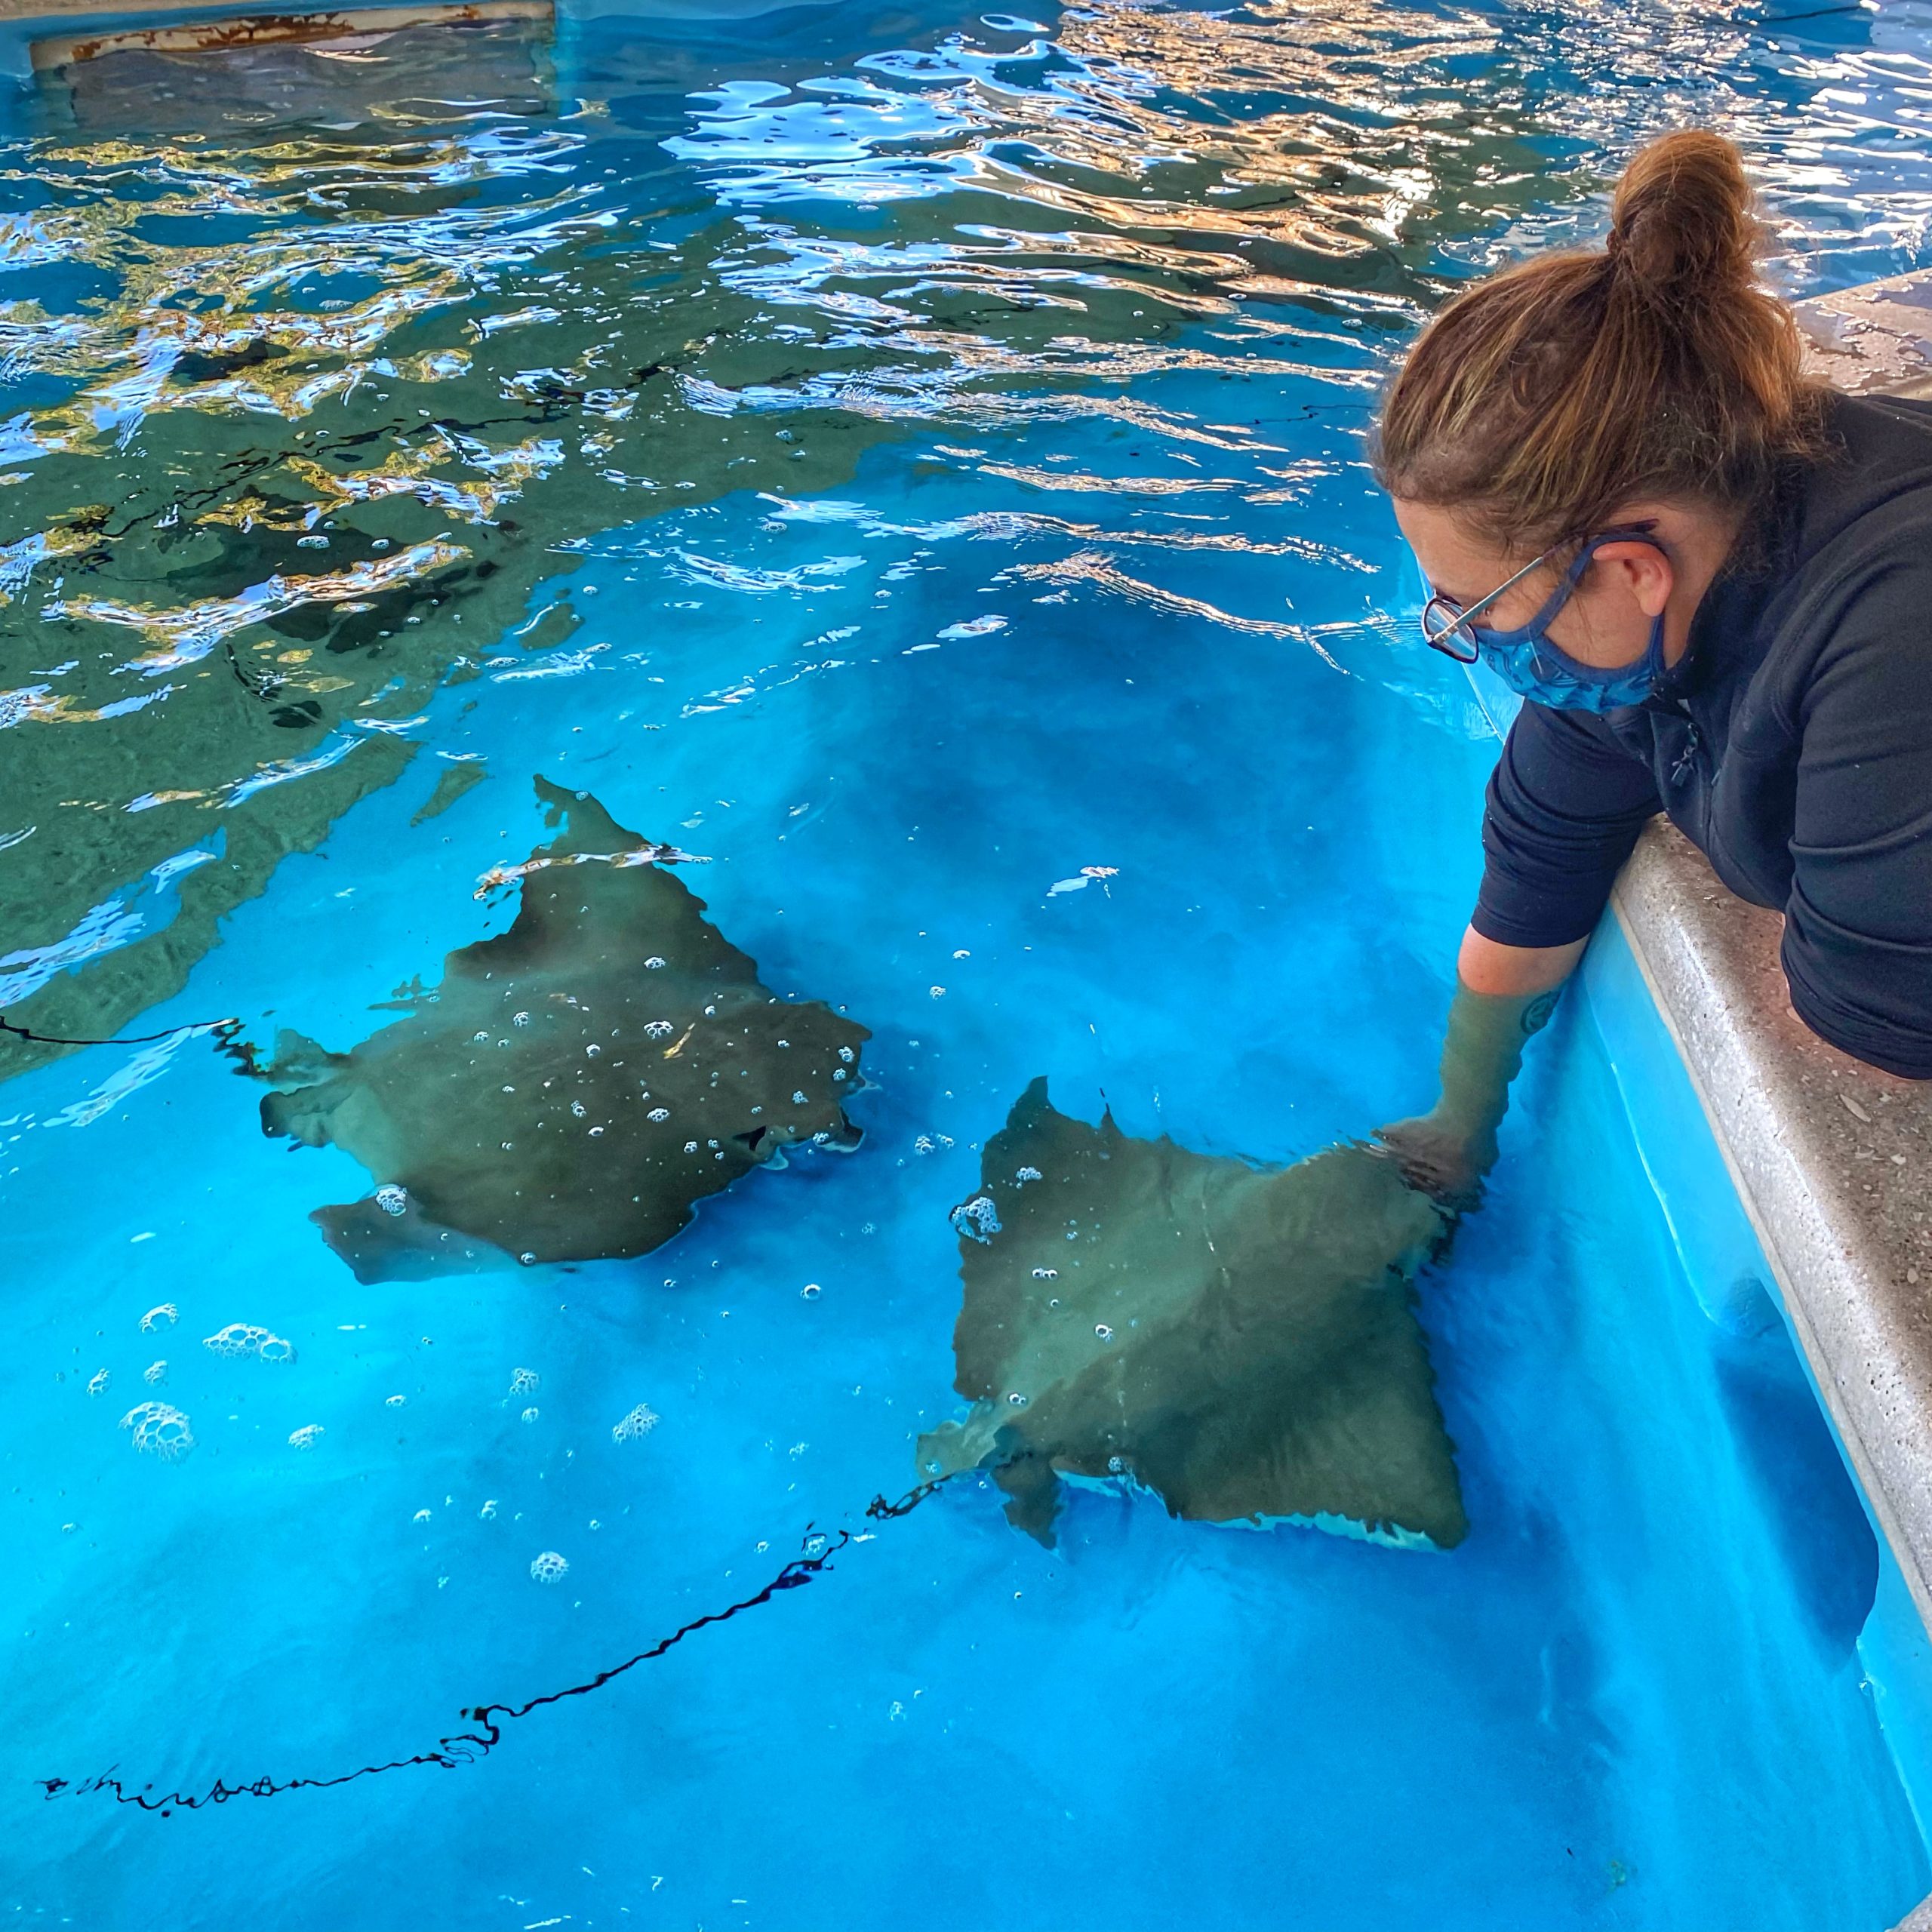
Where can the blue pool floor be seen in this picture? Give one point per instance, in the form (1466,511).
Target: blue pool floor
(1636,1682)
(1058,554)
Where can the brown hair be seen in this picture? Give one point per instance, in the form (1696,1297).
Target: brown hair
(1538,401)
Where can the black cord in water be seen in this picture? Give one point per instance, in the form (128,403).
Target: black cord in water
(225,1029)
(1816,14)
(468,1747)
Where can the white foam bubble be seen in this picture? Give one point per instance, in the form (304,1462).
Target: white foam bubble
(660,1113)
(525,1381)
(241,1339)
(163,1316)
(637,1424)
(159,1431)
(530,1415)
(978,1219)
(97,1384)
(307,1436)
(155,1371)
(549,1568)
(391,1198)
(973,627)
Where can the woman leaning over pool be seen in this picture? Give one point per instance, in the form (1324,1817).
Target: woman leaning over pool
(1710,577)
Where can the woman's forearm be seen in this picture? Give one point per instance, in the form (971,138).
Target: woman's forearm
(1504,994)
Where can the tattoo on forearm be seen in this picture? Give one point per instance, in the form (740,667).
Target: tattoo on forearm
(1535,1015)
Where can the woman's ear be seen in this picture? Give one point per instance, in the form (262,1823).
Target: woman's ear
(1644,570)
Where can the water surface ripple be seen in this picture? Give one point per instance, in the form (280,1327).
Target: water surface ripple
(311,370)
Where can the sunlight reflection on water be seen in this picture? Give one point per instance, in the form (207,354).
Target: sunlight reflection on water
(326,351)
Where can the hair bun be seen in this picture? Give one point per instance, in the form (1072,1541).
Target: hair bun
(1683,225)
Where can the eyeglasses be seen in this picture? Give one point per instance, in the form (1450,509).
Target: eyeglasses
(1448,627)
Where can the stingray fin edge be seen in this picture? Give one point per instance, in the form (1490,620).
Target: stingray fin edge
(580,823)
(1034,1492)
(379,1246)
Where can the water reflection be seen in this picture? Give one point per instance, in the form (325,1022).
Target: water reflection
(281,67)
(323,357)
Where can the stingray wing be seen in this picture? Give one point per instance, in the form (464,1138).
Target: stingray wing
(1326,1398)
(589,899)
(1044,1268)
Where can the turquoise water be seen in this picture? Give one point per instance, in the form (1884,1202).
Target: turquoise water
(906,457)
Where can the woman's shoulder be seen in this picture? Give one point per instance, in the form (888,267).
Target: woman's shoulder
(1877,451)
(1860,515)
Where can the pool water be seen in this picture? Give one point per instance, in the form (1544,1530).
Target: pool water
(911,460)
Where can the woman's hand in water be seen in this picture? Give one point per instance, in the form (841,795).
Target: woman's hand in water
(1439,1159)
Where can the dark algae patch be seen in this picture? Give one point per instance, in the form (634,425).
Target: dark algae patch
(450,785)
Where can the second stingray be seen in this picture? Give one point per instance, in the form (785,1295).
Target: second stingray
(575,1084)
(1240,1340)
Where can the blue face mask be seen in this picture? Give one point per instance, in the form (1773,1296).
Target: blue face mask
(1532,666)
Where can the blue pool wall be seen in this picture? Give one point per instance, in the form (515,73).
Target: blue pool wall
(1725,1265)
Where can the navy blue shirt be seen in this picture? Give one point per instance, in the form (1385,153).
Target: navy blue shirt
(1793,742)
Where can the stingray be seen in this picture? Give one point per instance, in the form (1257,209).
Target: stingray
(1242,1341)
(574,1085)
